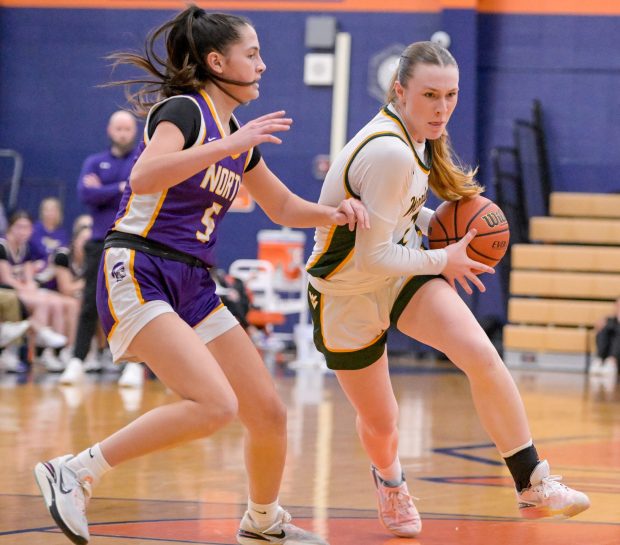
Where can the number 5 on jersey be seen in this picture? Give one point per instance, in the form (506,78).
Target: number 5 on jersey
(208,222)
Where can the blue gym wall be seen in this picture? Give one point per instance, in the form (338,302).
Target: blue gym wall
(51,111)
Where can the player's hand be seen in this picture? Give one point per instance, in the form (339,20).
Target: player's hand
(353,212)
(461,268)
(258,131)
(92,180)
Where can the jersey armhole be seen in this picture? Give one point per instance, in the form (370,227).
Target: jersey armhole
(347,184)
(202,132)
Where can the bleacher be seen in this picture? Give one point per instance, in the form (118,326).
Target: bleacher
(563,282)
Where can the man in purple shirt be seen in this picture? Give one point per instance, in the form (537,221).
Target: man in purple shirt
(100,187)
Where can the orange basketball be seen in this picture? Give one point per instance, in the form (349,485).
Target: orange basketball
(453,219)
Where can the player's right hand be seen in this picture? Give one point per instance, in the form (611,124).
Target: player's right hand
(461,269)
(258,131)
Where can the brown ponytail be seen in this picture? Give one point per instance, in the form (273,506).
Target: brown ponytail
(188,38)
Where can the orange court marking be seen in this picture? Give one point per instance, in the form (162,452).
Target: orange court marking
(364,531)
(269,5)
(540,7)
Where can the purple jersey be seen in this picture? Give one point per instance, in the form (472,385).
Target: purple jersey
(186,216)
(27,253)
(47,242)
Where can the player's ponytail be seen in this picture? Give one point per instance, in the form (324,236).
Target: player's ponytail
(448,178)
(188,38)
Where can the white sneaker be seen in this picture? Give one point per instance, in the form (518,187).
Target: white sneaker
(595,366)
(107,362)
(11,331)
(10,362)
(547,497)
(74,372)
(51,363)
(66,496)
(66,354)
(609,368)
(91,363)
(280,532)
(397,512)
(132,376)
(48,338)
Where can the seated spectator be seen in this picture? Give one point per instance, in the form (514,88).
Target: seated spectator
(13,326)
(48,235)
(607,345)
(69,264)
(50,312)
(83,220)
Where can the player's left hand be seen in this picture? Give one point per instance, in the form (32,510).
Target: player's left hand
(353,212)
(461,269)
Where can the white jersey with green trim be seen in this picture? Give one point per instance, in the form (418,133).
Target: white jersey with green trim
(385,168)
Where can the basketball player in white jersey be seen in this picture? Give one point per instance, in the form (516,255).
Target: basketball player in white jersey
(363,281)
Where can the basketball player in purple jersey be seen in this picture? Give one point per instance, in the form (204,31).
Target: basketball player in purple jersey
(156,299)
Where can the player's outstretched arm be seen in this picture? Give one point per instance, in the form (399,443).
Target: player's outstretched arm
(285,208)
(164,163)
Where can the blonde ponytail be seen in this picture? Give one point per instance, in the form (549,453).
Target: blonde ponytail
(448,178)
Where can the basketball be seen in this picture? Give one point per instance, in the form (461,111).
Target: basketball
(453,219)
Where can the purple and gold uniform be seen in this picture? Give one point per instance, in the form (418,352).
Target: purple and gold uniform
(17,260)
(163,245)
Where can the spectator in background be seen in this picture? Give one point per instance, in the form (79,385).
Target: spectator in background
(83,220)
(100,187)
(607,345)
(13,325)
(69,264)
(48,234)
(48,310)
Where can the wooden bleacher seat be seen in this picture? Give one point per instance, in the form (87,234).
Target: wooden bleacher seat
(565,284)
(592,205)
(575,230)
(566,258)
(562,312)
(538,338)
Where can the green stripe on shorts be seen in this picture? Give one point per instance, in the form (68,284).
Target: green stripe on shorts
(406,294)
(351,359)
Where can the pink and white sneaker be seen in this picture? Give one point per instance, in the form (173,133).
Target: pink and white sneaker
(396,509)
(547,497)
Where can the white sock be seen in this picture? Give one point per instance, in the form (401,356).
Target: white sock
(392,474)
(263,514)
(517,449)
(92,461)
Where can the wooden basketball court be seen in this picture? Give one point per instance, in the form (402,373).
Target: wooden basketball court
(196,493)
